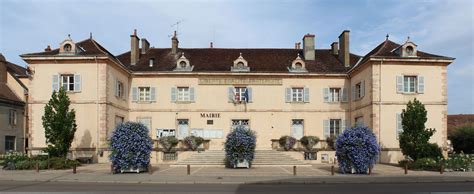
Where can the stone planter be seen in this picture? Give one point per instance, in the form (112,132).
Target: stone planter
(242,163)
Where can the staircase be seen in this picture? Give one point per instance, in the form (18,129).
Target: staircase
(262,158)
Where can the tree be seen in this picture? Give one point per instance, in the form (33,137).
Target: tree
(59,124)
(414,138)
(462,139)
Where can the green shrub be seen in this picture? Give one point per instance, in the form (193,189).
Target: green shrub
(13,157)
(24,165)
(309,142)
(62,163)
(430,150)
(462,139)
(193,142)
(287,142)
(459,162)
(425,164)
(168,142)
(330,141)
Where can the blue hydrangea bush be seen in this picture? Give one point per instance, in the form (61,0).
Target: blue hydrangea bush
(240,145)
(130,147)
(357,150)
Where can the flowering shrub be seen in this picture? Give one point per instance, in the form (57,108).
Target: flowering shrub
(240,145)
(193,142)
(356,149)
(168,142)
(287,142)
(309,142)
(131,146)
(459,162)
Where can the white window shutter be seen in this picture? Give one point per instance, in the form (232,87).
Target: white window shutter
(421,84)
(249,92)
(353,93)
(343,125)
(399,124)
(326,94)
(77,82)
(152,94)
(399,84)
(230,94)
(306,94)
(55,83)
(192,95)
(362,88)
(326,132)
(344,95)
(173,94)
(134,94)
(288,95)
(125,92)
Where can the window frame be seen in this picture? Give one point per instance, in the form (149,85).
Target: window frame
(120,89)
(410,84)
(12,117)
(236,122)
(359,121)
(239,94)
(183,94)
(335,127)
(70,81)
(10,143)
(297,94)
(145,95)
(335,93)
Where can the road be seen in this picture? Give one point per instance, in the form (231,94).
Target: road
(23,186)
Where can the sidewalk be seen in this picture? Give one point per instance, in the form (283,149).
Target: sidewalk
(219,175)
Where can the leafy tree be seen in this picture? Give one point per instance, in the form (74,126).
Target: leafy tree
(462,139)
(414,138)
(59,124)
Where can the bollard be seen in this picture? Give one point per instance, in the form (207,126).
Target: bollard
(294,170)
(74,169)
(406,168)
(150,169)
(441,170)
(332,170)
(37,167)
(189,169)
(370,170)
(112,169)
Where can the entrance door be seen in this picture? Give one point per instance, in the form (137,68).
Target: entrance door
(297,128)
(183,128)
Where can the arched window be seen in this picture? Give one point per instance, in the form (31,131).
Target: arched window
(182,64)
(67,47)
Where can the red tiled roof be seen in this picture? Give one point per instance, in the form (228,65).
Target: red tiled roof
(459,120)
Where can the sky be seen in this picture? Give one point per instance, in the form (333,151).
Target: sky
(438,27)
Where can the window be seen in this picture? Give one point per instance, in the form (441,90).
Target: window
(297,128)
(183,127)
(298,65)
(118,120)
(240,65)
(9,143)
(358,91)
(210,122)
(240,94)
(334,94)
(119,90)
(208,133)
(144,94)
(410,50)
(67,82)
(145,121)
(12,119)
(183,94)
(151,62)
(297,94)
(182,64)
(67,47)
(165,133)
(334,127)
(237,122)
(359,121)
(409,84)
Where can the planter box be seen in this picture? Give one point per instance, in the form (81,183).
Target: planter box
(242,164)
(137,170)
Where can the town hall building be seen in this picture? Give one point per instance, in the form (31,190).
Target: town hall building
(305,90)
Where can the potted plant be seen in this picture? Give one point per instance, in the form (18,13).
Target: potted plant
(287,142)
(309,142)
(330,141)
(168,142)
(193,142)
(240,147)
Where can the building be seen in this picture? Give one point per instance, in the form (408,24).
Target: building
(205,91)
(13,94)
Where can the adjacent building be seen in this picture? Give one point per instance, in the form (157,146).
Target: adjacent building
(297,91)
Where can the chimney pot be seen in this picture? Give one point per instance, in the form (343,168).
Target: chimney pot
(174,44)
(48,48)
(308,47)
(335,48)
(145,46)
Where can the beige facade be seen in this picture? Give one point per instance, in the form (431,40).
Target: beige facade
(196,101)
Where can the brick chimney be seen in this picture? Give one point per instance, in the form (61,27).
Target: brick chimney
(134,48)
(3,69)
(344,48)
(335,48)
(174,44)
(145,46)
(308,47)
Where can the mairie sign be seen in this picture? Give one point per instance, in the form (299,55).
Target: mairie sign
(243,81)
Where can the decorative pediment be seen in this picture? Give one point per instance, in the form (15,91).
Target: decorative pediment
(68,47)
(298,65)
(240,65)
(183,64)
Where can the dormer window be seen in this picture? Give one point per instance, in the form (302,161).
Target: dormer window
(151,62)
(240,65)
(183,64)
(298,65)
(407,50)
(67,47)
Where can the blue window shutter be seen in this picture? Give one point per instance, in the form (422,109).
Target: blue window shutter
(326,94)
(362,88)
(288,95)
(77,82)
(152,94)
(134,94)
(326,131)
(192,95)
(306,94)
(230,94)
(344,95)
(399,84)
(249,92)
(55,83)
(173,94)
(421,85)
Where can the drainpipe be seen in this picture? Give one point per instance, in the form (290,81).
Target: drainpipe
(380,106)
(97,147)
